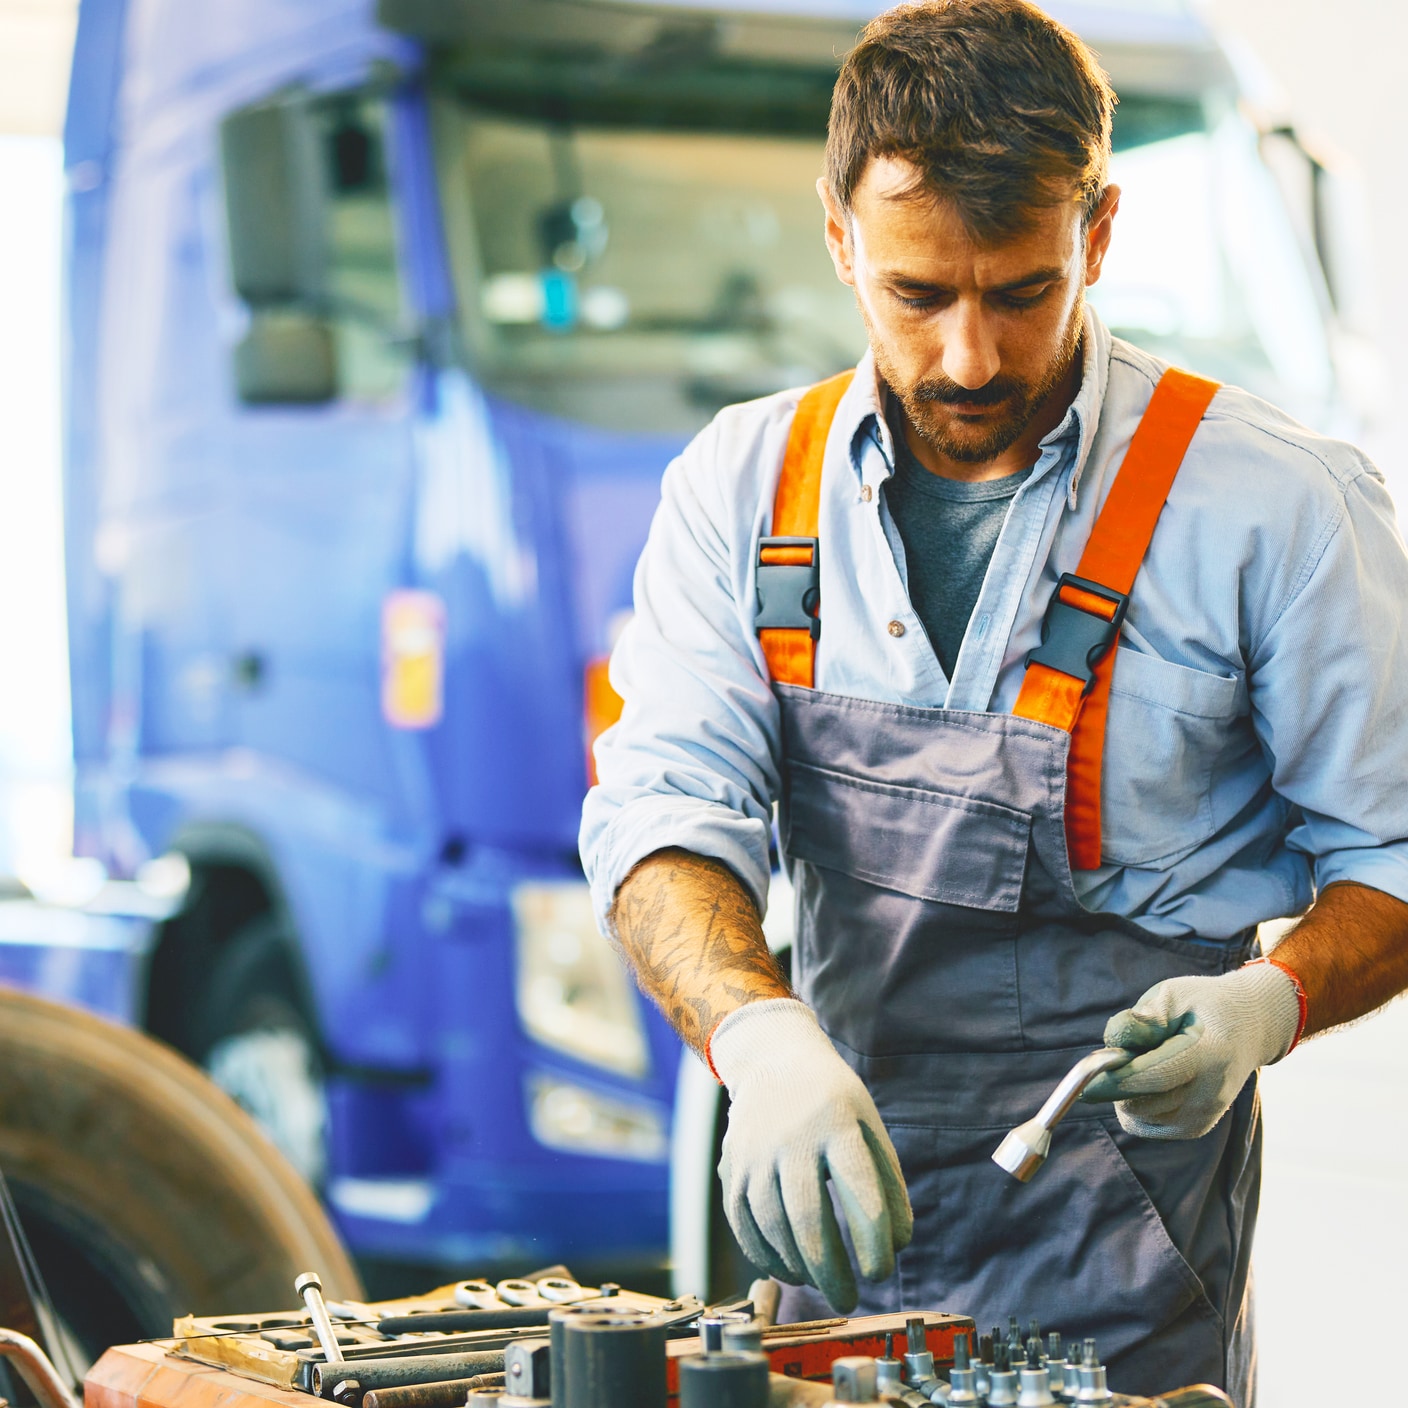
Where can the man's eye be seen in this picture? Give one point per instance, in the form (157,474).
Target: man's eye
(1023,300)
(924,300)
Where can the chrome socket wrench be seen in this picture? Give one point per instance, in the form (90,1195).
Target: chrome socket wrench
(1025,1148)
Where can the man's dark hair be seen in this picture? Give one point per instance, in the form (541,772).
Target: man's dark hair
(1002,111)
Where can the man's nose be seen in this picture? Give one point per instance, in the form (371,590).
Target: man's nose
(970,350)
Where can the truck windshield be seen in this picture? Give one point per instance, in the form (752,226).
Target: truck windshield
(639,278)
(636,278)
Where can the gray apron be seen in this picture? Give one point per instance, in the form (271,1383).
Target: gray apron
(943,949)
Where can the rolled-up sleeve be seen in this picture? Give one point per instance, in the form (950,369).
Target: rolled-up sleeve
(693,761)
(1329,692)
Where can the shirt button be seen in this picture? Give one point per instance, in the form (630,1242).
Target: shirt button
(896,628)
(865,493)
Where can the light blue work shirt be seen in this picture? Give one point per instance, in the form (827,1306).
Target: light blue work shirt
(1257,743)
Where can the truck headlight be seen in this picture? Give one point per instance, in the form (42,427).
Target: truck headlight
(573,992)
(581,1121)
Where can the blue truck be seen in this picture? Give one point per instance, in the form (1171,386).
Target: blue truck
(383,320)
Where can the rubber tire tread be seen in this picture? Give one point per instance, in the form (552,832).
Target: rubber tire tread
(254,962)
(132,1134)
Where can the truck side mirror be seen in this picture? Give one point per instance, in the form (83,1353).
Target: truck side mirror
(285,357)
(276,208)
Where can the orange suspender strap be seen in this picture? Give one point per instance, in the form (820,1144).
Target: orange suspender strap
(788,617)
(1067,683)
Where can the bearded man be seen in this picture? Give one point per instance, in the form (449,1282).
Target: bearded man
(1067,670)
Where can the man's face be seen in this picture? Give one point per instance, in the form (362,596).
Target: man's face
(972,338)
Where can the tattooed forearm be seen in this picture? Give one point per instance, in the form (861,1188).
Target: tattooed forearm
(690,931)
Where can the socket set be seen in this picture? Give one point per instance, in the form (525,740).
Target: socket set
(545,1341)
(993,1371)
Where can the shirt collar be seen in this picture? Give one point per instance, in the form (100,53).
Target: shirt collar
(861,408)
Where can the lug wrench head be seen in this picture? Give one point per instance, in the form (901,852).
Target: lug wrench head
(1024,1150)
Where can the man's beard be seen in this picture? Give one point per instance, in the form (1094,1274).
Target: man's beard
(924,402)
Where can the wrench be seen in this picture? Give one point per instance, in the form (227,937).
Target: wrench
(1025,1148)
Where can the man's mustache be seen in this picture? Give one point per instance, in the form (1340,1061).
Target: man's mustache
(950,393)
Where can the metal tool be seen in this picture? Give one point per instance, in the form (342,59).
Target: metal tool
(724,1380)
(1025,1148)
(853,1379)
(398,1371)
(603,1358)
(1035,1382)
(509,1317)
(1093,1388)
(743,1335)
(889,1371)
(1070,1378)
(352,1310)
(476,1295)
(310,1287)
(527,1366)
(963,1378)
(918,1361)
(982,1366)
(1055,1362)
(518,1292)
(1003,1386)
(36,1370)
(711,1333)
(450,1394)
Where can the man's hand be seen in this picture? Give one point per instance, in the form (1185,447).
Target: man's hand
(799,1115)
(1204,1036)
(1201,1039)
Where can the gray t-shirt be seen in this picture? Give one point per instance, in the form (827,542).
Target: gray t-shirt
(949,529)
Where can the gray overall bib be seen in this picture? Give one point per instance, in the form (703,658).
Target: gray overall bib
(945,953)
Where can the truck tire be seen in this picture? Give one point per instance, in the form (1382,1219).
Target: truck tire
(252,1036)
(144,1190)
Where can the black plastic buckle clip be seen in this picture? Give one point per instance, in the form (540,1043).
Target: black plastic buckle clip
(1074,641)
(789,594)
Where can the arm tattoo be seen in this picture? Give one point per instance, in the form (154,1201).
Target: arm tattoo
(691,933)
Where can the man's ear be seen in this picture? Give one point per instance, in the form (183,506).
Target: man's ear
(838,233)
(1098,233)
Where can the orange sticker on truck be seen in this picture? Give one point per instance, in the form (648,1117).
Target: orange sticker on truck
(412,659)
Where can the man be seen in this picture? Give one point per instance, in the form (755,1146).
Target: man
(1055,752)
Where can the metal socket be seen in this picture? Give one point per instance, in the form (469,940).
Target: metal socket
(606,1360)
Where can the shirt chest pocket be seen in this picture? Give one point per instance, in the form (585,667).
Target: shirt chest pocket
(1168,726)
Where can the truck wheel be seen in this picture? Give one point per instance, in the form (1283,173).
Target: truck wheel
(145,1192)
(253,1039)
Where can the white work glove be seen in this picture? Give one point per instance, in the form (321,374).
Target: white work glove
(1201,1039)
(798,1116)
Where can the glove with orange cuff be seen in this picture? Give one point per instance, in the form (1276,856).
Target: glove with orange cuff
(1200,1039)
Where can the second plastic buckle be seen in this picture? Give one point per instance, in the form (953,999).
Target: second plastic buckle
(789,593)
(1074,640)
